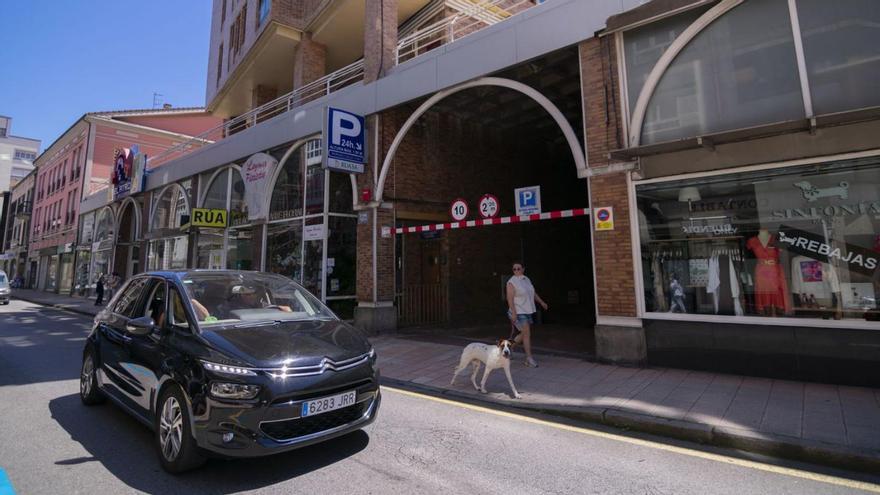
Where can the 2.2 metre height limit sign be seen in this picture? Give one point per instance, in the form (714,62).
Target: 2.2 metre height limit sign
(345,147)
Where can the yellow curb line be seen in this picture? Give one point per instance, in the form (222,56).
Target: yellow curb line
(833,480)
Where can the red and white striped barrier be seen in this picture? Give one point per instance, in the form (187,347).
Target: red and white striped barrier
(464,224)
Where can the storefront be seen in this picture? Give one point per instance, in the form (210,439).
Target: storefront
(796,245)
(82,285)
(311,232)
(102,245)
(230,247)
(168,244)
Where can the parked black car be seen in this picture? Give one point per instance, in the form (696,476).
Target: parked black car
(229,363)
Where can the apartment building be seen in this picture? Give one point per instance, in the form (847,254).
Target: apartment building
(17,156)
(80,163)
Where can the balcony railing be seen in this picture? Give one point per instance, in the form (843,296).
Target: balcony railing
(312,91)
(472,16)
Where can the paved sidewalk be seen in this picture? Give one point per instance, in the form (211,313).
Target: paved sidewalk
(79,305)
(825,424)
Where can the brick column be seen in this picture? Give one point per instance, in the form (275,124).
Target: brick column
(619,334)
(262,94)
(376,312)
(380,38)
(309,61)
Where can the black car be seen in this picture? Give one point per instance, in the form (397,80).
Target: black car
(229,364)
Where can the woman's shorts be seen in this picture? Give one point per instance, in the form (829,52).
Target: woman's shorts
(522,318)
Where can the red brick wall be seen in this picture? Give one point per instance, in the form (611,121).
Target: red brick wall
(615,278)
(309,61)
(380,37)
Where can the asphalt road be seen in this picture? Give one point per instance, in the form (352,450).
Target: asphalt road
(51,443)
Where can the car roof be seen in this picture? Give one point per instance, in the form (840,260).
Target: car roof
(180,274)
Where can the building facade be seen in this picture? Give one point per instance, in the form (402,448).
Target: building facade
(17,156)
(15,244)
(688,183)
(82,162)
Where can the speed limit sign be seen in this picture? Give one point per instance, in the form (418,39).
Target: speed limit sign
(488,206)
(459,210)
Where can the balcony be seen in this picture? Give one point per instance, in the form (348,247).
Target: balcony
(23,210)
(417,38)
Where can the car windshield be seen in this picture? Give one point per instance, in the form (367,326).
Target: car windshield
(2,278)
(230,298)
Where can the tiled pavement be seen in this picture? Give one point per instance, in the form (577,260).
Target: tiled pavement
(823,423)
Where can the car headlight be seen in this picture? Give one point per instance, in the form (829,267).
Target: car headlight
(227,369)
(234,390)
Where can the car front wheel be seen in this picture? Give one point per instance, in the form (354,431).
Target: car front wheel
(178,451)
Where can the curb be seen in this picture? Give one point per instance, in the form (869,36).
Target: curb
(64,307)
(780,446)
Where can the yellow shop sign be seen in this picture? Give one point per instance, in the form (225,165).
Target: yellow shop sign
(209,217)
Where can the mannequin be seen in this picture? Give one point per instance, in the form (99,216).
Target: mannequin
(677,296)
(771,288)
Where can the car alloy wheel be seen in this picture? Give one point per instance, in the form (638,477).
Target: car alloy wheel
(171,429)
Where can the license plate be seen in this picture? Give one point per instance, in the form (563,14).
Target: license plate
(327,404)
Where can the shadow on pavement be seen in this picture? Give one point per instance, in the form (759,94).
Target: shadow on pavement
(126,448)
(40,344)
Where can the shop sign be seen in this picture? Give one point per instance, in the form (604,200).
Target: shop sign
(313,232)
(345,146)
(857,259)
(209,217)
(604,218)
(257,172)
(723,229)
(528,200)
(282,214)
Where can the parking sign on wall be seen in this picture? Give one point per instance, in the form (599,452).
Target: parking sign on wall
(528,200)
(345,144)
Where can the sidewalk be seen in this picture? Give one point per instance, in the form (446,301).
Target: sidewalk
(79,305)
(824,424)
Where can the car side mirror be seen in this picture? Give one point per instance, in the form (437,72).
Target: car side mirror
(140,326)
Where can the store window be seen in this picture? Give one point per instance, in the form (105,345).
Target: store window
(230,248)
(169,250)
(793,242)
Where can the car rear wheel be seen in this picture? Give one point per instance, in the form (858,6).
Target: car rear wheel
(88,381)
(178,451)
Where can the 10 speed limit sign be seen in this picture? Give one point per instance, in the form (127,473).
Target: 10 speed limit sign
(459,210)
(488,206)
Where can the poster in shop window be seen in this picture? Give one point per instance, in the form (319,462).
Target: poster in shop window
(257,172)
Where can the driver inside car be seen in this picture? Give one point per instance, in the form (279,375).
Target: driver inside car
(241,297)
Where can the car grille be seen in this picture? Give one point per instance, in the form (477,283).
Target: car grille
(292,429)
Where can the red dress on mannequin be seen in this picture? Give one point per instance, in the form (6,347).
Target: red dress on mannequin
(771,288)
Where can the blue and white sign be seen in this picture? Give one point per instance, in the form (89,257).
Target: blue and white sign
(345,147)
(528,200)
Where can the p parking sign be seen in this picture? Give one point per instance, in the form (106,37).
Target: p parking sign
(345,143)
(528,200)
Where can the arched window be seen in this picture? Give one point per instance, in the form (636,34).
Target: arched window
(229,248)
(104,225)
(738,72)
(169,208)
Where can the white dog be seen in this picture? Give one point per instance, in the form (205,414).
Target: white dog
(493,356)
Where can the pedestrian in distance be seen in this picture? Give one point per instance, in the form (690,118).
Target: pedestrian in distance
(521,297)
(99,290)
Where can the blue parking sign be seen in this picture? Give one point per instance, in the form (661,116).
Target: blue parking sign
(528,200)
(345,143)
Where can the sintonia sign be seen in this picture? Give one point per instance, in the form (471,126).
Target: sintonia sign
(257,172)
(345,146)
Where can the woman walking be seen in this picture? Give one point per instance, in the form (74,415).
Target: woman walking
(521,297)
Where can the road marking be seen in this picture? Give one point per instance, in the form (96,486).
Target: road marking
(833,480)
(5,484)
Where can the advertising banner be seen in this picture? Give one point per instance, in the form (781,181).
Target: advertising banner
(257,172)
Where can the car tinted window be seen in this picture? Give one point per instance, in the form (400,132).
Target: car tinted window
(155,307)
(127,305)
(2,278)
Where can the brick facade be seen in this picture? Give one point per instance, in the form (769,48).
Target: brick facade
(615,275)
(380,38)
(309,61)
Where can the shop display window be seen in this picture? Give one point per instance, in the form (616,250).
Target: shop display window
(796,242)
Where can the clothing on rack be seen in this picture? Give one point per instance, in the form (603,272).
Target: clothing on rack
(724,285)
(659,287)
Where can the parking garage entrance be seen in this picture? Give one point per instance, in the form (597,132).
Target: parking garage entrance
(452,266)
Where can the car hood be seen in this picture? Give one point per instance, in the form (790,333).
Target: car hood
(299,343)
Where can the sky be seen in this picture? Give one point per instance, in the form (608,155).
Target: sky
(63,58)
